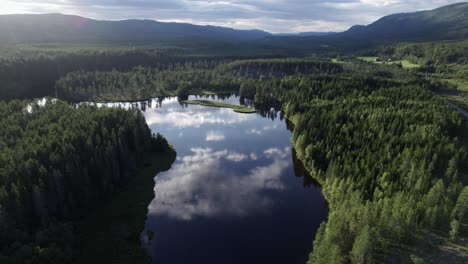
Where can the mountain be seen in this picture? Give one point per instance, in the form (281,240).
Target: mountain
(312,33)
(444,23)
(68,28)
(448,22)
(316,33)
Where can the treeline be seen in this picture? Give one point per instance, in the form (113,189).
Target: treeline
(142,83)
(57,160)
(386,153)
(280,67)
(34,74)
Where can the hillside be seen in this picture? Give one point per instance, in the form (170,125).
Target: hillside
(448,22)
(67,28)
(444,23)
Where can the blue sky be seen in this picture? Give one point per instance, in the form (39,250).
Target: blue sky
(276,16)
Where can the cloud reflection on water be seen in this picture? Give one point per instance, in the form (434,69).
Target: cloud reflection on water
(197,186)
(214,136)
(194,116)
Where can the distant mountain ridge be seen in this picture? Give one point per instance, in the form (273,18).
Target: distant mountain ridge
(444,23)
(311,33)
(447,22)
(65,28)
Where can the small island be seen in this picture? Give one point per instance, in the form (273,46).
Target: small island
(236,108)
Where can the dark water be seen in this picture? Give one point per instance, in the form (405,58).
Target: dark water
(233,195)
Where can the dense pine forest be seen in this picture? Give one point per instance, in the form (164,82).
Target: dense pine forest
(57,160)
(389,153)
(388,158)
(378,116)
(32,74)
(202,76)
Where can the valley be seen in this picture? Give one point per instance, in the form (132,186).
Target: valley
(139,141)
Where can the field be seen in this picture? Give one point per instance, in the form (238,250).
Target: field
(458,97)
(462,85)
(334,60)
(406,64)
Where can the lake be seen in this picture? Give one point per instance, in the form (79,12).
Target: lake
(235,193)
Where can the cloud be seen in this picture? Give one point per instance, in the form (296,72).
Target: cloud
(194,117)
(214,136)
(255,131)
(236,157)
(277,152)
(253,156)
(271,15)
(197,186)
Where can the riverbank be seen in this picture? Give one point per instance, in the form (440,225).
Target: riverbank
(236,108)
(111,232)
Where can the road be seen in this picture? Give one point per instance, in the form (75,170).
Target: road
(463,112)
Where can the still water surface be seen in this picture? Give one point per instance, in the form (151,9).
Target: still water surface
(234,194)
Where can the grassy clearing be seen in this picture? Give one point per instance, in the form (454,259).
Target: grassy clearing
(334,60)
(408,65)
(460,100)
(236,108)
(368,59)
(404,63)
(430,247)
(462,85)
(111,232)
(459,97)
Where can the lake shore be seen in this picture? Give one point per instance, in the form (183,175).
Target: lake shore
(235,108)
(111,232)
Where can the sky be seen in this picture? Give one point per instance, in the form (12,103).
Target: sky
(275,16)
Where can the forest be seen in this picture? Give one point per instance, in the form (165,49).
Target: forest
(142,83)
(57,160)
(388,153)
(388,157)
(33,74)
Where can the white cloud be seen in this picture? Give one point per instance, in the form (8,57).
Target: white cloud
(253,156)
(380,2)
(214,136)
(198,187)
(253,131)
(271,15)
(277,152)
(236,157)
(194,117)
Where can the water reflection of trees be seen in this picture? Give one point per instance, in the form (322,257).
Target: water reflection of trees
(268,109)
(301,171)
(148,104)
(289,125)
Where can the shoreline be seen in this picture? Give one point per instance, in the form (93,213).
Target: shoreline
(111,232)
(236,108)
